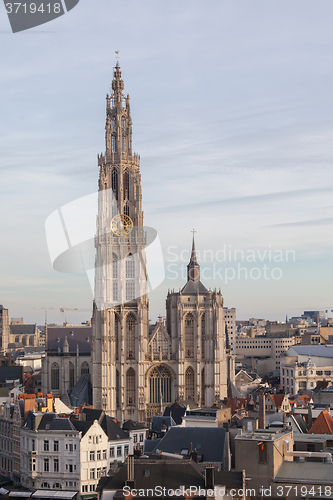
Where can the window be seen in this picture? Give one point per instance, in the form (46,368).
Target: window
(55,445)
(130,387)
(126,450)
(56,465)
(111,452)
(92,473)
(98,455)
(160,384)
(135,438)
(124,142)
(70,467)
(55,377)
(203,335)
(114,183)
(46,465)
(203,387)
(126,182)
(130,290)
(130,336)
(189,383)
(104,454)
(46,445)
(92,455)
(189,336)
(98,472)
(141,437)
(117,389)
(118,451)
(32,445)
(116,332)
(113,143)
(71,375)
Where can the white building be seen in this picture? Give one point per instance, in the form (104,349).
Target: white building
(305,365)
(93,454)
(50,453)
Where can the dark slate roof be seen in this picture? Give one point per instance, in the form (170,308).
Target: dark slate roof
(112,430)
(176,413)
(92,414)
(23,329)
(169,474)
(76,335)
(11,373)
(149,445)
(51,422)
(131,425)
(82,392)
(207,441)
(194,287)
(158,422)
(82,426)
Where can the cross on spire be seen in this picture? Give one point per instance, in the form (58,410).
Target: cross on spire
(193,231)
(117,56)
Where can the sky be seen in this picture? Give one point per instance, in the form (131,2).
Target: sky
(232,114)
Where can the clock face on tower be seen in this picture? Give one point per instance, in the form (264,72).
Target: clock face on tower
(121,225)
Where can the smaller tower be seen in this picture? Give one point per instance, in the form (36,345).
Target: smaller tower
(193,268)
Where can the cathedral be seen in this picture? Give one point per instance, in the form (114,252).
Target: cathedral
(137,368)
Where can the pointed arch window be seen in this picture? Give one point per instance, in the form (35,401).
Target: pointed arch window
(84,368)
(203,336)
(203,387)
(126,181)
(189,384)
(130,336)
(124,142)
(114,183)
(115,275)
(130,267)
(189,336)
(130,387)
(55,377)
(126,210)
(71,375)
(160,380)
(116,334)
(113,143)
(117,390)
(130,277)
(113,123)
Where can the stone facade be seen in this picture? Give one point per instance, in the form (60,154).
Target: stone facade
(135,373)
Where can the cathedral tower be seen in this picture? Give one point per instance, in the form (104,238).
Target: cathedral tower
(120,316)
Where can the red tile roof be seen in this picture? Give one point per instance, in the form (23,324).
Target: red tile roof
(323,424)
(277,398)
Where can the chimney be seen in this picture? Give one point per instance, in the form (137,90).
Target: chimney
(130,472)
(309,416)
(262,411)
(209,478)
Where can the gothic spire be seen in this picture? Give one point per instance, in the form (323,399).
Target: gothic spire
(193,268)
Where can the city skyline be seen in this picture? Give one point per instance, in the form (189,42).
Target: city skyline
(232,118)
